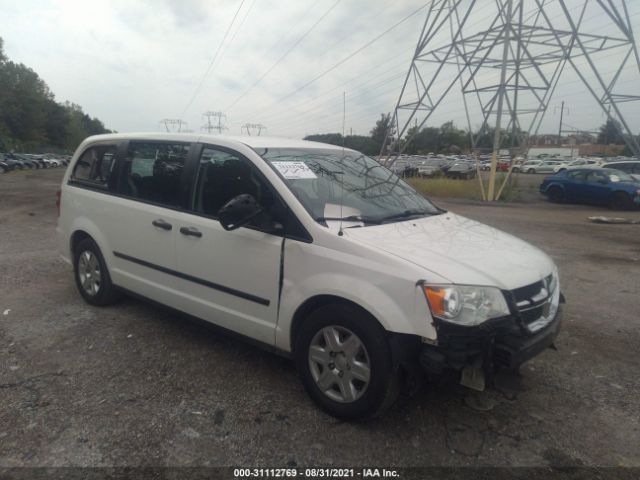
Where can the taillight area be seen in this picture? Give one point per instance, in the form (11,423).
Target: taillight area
(58,197)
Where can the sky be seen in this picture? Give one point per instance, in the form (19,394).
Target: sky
(281,63)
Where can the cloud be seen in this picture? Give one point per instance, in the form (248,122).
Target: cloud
(133,63)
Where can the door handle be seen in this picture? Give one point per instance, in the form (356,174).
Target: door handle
(190,232)
(162,224)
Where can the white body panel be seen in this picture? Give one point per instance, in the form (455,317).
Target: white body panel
(376,267)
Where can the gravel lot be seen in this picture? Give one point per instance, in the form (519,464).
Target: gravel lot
(135,385)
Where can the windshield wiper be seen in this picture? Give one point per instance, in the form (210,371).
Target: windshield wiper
(407,214)
(350,218)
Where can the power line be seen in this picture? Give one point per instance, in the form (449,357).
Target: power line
(282,57)
(244,18)
(348,57)
(206,73)
(365,46)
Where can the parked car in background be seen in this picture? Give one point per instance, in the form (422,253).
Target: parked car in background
(428,171)
(579,163)
(632,167)
(529,166)
(461,170)
(595,186)
(548,166)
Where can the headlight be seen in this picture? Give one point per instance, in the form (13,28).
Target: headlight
(465,305)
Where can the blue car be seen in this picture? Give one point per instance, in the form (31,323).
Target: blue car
(595,186)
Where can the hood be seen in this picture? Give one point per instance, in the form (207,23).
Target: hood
(459,249)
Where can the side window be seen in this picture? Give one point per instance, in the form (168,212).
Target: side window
(578,175)
(222,176)
(595,177)
(152,172)
(95,165)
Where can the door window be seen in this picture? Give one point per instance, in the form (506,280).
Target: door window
(95,165)
(152,172)
(597,177)
(578,175)
(223,175)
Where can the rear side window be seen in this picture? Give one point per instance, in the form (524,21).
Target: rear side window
(95,165)
(152,171)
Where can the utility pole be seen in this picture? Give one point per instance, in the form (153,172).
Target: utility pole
(528,44)
(501,93)
(217,124)
(560,126)
(255,128)
(173,124)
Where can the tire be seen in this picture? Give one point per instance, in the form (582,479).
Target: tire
(326,331)
(531,170)
(91,274)
(556,195)
(621,201)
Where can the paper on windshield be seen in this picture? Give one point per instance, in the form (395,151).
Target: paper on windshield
(294,170)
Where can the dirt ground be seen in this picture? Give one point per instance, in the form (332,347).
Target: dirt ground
(135,385)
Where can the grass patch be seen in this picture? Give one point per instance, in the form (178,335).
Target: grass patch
(469,189)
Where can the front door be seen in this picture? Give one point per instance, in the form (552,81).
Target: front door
(230,278)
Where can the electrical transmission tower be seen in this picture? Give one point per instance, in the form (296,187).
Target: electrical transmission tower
(173,124)
(503,59)
(253,128)
(217,124)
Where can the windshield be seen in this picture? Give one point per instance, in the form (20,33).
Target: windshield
(620,176)
(323,180)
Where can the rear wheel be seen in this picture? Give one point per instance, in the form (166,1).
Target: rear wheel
(91,274)
(556,195)
(344,361)
(621,201)
(531,170)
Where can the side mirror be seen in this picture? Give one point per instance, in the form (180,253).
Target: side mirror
(238,211)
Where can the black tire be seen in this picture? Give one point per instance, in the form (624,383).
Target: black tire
(621,201)
(556,195)
(105,294)
(383,387)
(531,170)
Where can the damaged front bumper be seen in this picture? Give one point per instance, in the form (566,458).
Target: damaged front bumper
(499,344)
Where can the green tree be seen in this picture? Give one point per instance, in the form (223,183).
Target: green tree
(379,132)
(610,133)
(31,119)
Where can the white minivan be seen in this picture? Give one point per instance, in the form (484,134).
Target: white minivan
(316,251)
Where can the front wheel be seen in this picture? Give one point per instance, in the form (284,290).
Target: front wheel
(621,201)
(531,170)
(344,361)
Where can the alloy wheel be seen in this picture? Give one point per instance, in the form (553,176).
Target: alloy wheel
(89,272)
(339,364)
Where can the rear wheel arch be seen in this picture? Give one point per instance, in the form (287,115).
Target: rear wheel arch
(77,237)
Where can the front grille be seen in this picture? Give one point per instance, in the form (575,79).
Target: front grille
(533,302)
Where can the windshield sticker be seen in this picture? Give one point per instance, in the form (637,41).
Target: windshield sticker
(294,170)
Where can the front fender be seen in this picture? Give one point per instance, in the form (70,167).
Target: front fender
(388,294)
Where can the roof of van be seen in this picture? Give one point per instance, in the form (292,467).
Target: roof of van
(251,141)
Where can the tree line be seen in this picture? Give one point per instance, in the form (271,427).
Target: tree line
(30,118)
(447,138)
